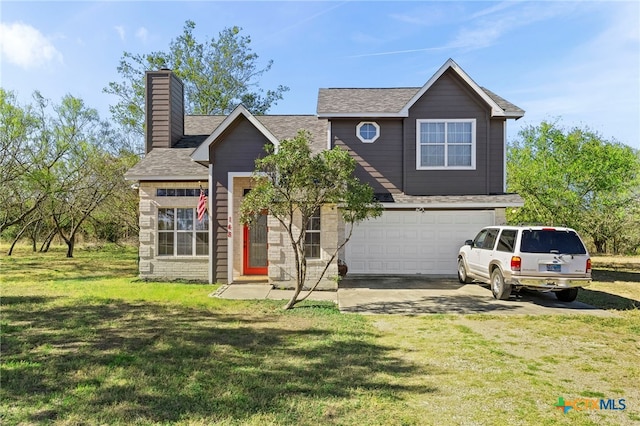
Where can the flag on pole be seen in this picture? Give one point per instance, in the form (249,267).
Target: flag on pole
(202,205)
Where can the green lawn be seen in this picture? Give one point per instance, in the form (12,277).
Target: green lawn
(84,342)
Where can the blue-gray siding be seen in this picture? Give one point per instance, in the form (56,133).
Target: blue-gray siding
(235,151)
(451,98)
(380,162)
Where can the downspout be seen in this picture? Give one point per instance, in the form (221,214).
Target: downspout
(211,226)
(504,153)
(488,151)
(404,156)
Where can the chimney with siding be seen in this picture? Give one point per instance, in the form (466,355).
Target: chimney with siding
(164,109)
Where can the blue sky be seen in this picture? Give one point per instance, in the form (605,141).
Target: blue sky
(574,61)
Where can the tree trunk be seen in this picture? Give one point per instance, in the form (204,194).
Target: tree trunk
(15,241)
(71,242)
(294,298)
(44,248)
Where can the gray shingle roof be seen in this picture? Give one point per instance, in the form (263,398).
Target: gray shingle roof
(202,124)
(508,107)
(281,126)
(176,164)
(504,200)
(384,101)
(380,100)
(168,164)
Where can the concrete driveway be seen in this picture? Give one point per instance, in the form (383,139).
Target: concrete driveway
(414,295)
(442,295)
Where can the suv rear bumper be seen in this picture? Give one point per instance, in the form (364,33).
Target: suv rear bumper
(549,283)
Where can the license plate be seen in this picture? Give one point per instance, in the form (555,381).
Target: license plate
(554,267)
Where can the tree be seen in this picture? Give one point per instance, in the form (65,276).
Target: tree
(59,165)
(217,74)
(89,174)
(18,170)
(291,183)
(575,178)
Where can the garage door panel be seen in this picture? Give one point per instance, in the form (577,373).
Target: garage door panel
(413,242)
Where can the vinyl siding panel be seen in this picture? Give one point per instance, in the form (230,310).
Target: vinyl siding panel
(380,162)
(165,110)
(176,110)
(235,151)
(450,98)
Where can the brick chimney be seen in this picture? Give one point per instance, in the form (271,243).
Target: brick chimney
(164,109)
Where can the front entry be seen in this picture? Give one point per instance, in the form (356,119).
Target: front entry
(255,247)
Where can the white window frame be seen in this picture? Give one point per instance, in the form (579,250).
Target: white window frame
(446,144)
(176,231)
(318,232)
(374,124)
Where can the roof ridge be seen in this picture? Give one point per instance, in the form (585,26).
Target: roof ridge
(369,88)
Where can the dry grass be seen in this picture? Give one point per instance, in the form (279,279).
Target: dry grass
(84,346)
(616,283)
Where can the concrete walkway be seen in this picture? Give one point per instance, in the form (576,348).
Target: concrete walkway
(418,295)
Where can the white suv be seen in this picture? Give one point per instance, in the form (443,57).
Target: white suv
(533,257)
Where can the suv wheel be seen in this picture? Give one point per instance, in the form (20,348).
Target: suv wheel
(462,273)
(568,295)
(499,288)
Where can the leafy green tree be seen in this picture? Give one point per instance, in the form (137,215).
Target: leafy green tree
(60,163)
(291,183)
(18,170)
(89,174)
(218,74)
(575,178)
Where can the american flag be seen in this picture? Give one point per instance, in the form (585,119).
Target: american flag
(202,205)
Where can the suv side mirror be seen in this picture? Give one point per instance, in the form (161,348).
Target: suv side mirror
(468,243)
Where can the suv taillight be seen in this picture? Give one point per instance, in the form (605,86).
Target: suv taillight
(516,263)
(588,266)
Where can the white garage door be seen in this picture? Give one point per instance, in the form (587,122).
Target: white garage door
(413,242)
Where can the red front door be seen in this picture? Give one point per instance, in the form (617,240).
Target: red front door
(255,247)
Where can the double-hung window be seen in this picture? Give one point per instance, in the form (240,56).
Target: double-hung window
(312,237)
(446,144)
(181,234)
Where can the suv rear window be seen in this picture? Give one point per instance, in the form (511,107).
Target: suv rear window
(507,240)
(551,241)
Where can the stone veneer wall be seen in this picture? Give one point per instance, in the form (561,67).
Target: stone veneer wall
(282,269)
(165,267)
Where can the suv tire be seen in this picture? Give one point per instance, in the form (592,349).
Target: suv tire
(568,295)
(462,273)
(499,288)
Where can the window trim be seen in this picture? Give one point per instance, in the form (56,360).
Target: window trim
(374,124)
(175,231)
(446,144)
(315,231)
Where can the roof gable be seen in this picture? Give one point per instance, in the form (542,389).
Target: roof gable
(202,152)
(496,111)
(396,102)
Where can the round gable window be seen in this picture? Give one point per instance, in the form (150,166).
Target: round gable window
(367,131)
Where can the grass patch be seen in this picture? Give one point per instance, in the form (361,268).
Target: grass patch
(84,342)
(616,283)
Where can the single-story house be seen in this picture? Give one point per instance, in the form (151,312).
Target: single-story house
(435,156)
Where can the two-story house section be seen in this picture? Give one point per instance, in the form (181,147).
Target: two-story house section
(435,156)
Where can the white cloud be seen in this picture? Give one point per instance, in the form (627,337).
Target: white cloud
(25,46)
(121,32)
(142,34)
(489,25)
(483,29)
